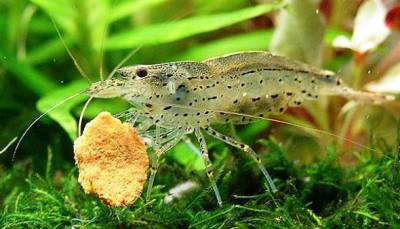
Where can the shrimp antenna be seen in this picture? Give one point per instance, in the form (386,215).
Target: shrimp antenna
(305,127)
(127,57)
(40,116)
(80,69)
(103,38)
(81,115)
(101,71)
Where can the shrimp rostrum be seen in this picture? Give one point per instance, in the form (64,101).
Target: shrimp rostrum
(174,99)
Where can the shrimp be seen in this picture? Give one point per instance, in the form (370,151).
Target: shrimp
(174,99)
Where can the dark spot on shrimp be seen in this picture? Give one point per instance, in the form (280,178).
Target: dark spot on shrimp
(167,108)
(249,72)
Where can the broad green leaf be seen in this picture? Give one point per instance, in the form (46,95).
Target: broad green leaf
(62,11)
(258,40)
(84,21)
(40,84)
(128,8)
(299,33)
(168,32)
(62,115)
(207,6)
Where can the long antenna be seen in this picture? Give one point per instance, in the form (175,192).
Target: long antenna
(40,116)
(127,57)
(277,121)
(80,69)
(81,115)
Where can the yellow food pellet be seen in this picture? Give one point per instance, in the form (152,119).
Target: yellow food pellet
(112,160)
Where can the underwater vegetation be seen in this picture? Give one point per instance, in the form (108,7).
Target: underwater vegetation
(336,165)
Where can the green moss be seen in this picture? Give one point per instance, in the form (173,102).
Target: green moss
(323,194)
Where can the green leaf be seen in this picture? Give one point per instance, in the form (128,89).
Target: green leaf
(332,33)
(258,40)
(40,84)
(62,11)
(62,114)
(299,33)
(249,133)
(47,51)
(185,156)
(168,32)
(96,106)
(128,8)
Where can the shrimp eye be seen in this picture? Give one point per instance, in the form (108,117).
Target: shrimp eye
(141,72)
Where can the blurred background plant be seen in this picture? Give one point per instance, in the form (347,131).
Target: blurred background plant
(358,39)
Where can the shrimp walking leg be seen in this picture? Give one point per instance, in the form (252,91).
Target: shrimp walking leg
(154,161)
(246,149)
(207,162)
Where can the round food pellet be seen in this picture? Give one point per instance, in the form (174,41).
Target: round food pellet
(112,160)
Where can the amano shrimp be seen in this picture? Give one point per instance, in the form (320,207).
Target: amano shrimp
(174,99)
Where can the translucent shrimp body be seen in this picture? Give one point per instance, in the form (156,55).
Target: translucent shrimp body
(184,97)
